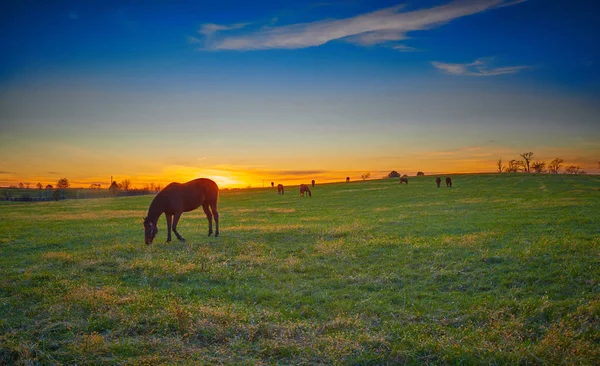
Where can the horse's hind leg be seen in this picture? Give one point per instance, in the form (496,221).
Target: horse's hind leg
(175,221)
(213,207)
(209,216)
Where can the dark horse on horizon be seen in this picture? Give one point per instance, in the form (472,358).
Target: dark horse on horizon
(280,189)
(304,189)
(449,182)
(403,180)
(438,180)
(177,198)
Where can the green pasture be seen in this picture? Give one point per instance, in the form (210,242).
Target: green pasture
(499,269)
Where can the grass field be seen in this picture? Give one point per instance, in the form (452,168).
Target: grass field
(499,269)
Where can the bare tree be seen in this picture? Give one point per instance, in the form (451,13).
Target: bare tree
(499,165)
(538,166)
(514,166)
(527,157)
(21,185)
(574,169)
(49,186)
(366,176)
(125,184)
(555,165)
(39,185)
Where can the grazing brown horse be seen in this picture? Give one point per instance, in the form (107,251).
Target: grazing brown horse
(177,198)
(438,180)
(280,189)
(448,182)
(403,180)
(304,188)
(313,183)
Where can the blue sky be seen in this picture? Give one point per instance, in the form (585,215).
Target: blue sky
(288,89)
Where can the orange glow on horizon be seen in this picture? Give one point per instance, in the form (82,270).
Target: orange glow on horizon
(238,177)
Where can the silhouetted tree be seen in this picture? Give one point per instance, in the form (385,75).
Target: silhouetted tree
(574,169)
(62,183)
(499,165)
(394,174)
(538,166)
(313,183)
(555,165)
(21,185)
(366,176)
(125,184)
(527,157)
(347,179)
(420,174)
(39,185)
(49,186)
(95,186)
(272,184)
(514,166)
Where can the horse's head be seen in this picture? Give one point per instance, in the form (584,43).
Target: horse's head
(150,230)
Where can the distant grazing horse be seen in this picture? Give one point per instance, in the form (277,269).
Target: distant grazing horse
(403,180)
(448,182)
(280,189)
(304,188)
(313,183)
(438,180)
(177,198)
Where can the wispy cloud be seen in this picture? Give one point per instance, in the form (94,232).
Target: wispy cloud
(381,26)
(479,67)
(404,48)
(210,28)
(5,172)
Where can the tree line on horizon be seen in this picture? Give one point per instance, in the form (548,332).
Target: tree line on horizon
(59,190)
(528,165)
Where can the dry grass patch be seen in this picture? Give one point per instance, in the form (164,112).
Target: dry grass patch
(58,256)
(468,240)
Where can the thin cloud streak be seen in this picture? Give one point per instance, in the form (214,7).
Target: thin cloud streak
(480,67)
(381,26)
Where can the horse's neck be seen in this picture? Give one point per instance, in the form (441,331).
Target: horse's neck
(154,211)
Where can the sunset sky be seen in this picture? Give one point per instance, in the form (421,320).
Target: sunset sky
(247,92)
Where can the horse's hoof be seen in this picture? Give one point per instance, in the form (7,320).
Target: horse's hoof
(216,234)
(181,240)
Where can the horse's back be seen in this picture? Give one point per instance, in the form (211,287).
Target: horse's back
(205,187)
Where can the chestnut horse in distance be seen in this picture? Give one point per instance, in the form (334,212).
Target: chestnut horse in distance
(177,198)
(280,189)
(304,189)
(449,182)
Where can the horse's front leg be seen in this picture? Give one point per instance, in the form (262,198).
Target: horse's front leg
(169,218)
(175,221)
